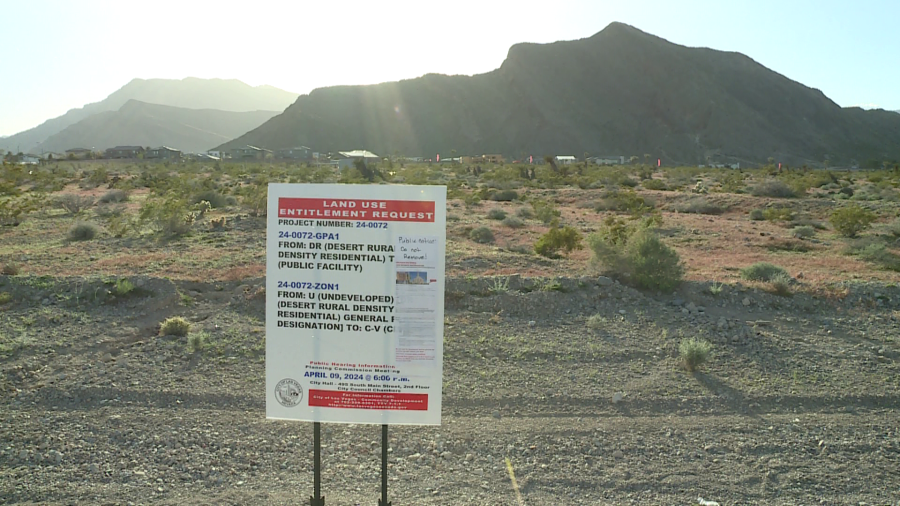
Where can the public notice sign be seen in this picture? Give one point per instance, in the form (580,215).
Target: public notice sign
(355,303)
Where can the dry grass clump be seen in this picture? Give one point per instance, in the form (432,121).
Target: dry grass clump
(175,326)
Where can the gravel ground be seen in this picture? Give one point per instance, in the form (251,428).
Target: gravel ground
(576,381)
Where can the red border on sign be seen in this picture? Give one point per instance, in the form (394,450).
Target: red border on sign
(356,209)
(368,400)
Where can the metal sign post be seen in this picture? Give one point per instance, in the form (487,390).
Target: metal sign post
(317,499)
(384,466)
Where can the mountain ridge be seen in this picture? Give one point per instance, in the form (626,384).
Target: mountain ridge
(191,92)
(145,124)
(621,91)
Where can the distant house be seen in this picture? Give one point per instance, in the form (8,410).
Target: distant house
(608,160)
(29,160)
(346,158)
(163,153)
(52,156)
(250,153)
(498,159)
(565,159)
(298,153)
(78,153)
(204,157)
(124,152)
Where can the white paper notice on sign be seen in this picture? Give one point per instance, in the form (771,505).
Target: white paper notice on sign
(416,259)
(354,303)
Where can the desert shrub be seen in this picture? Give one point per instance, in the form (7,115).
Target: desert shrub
(83,232)
(114,196)
(175,326)
(122,288)
(471,200)
(893,228)
(513,222)
(635,251)
(626,202)
(775,189)
(851,220)
(5,297)
(757,215)
(496,214)
(762,271)
(778,214)
(566,239)
(10,270)
(699,205)
(524,213)
(803,232)
(170,217)
(110,211)
(877,253)
(505,196)
(545,211)
(255,199)
(781,285)
(654,184)
(197,341)
(654,265)
(482,235)
(806,222)
(215,199)
(596,321)
(14,210)
(73,204)
(694,353)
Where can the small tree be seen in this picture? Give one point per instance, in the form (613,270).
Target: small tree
(851,220)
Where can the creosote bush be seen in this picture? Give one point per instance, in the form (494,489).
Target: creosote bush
(803,232)
(496,214)
(775,189)
(175,326)
(566,239)
(513,222)
(851,220)
(73,204)
(114,196)
(482,235)
(757,215)
(694,353)
(83,232)
(635,251)
(763,271)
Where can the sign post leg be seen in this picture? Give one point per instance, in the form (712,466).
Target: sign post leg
(384,466)
(317,499)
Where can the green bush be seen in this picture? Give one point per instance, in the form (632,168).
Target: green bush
(877,253)
(566,239)
(5,297)
(626,201)
(513,222)
(778,214)
(215,199)
(545,211)
(83,232)
(757,215)
(775,189)
(496,214)
(694,353)
(803,232)
(894,228)
(654,265)
(851,220)
(781,285)
(699,205)
(524,213)
(170,217)
(114,196)
(654,184)
(763,271)
(73,204)
(505,196)
(482,235)
(197,341)
(175,326)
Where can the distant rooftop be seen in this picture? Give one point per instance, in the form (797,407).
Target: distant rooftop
(358,153)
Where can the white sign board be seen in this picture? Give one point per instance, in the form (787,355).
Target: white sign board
(355,303)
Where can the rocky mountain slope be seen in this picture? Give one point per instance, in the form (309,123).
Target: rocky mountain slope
(140,123)
(222,94)
(621,91)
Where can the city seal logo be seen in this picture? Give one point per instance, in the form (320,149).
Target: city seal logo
(288,392)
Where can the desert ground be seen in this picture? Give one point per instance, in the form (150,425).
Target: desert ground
(568,370)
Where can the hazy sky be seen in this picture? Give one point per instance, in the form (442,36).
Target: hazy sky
(58,55)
